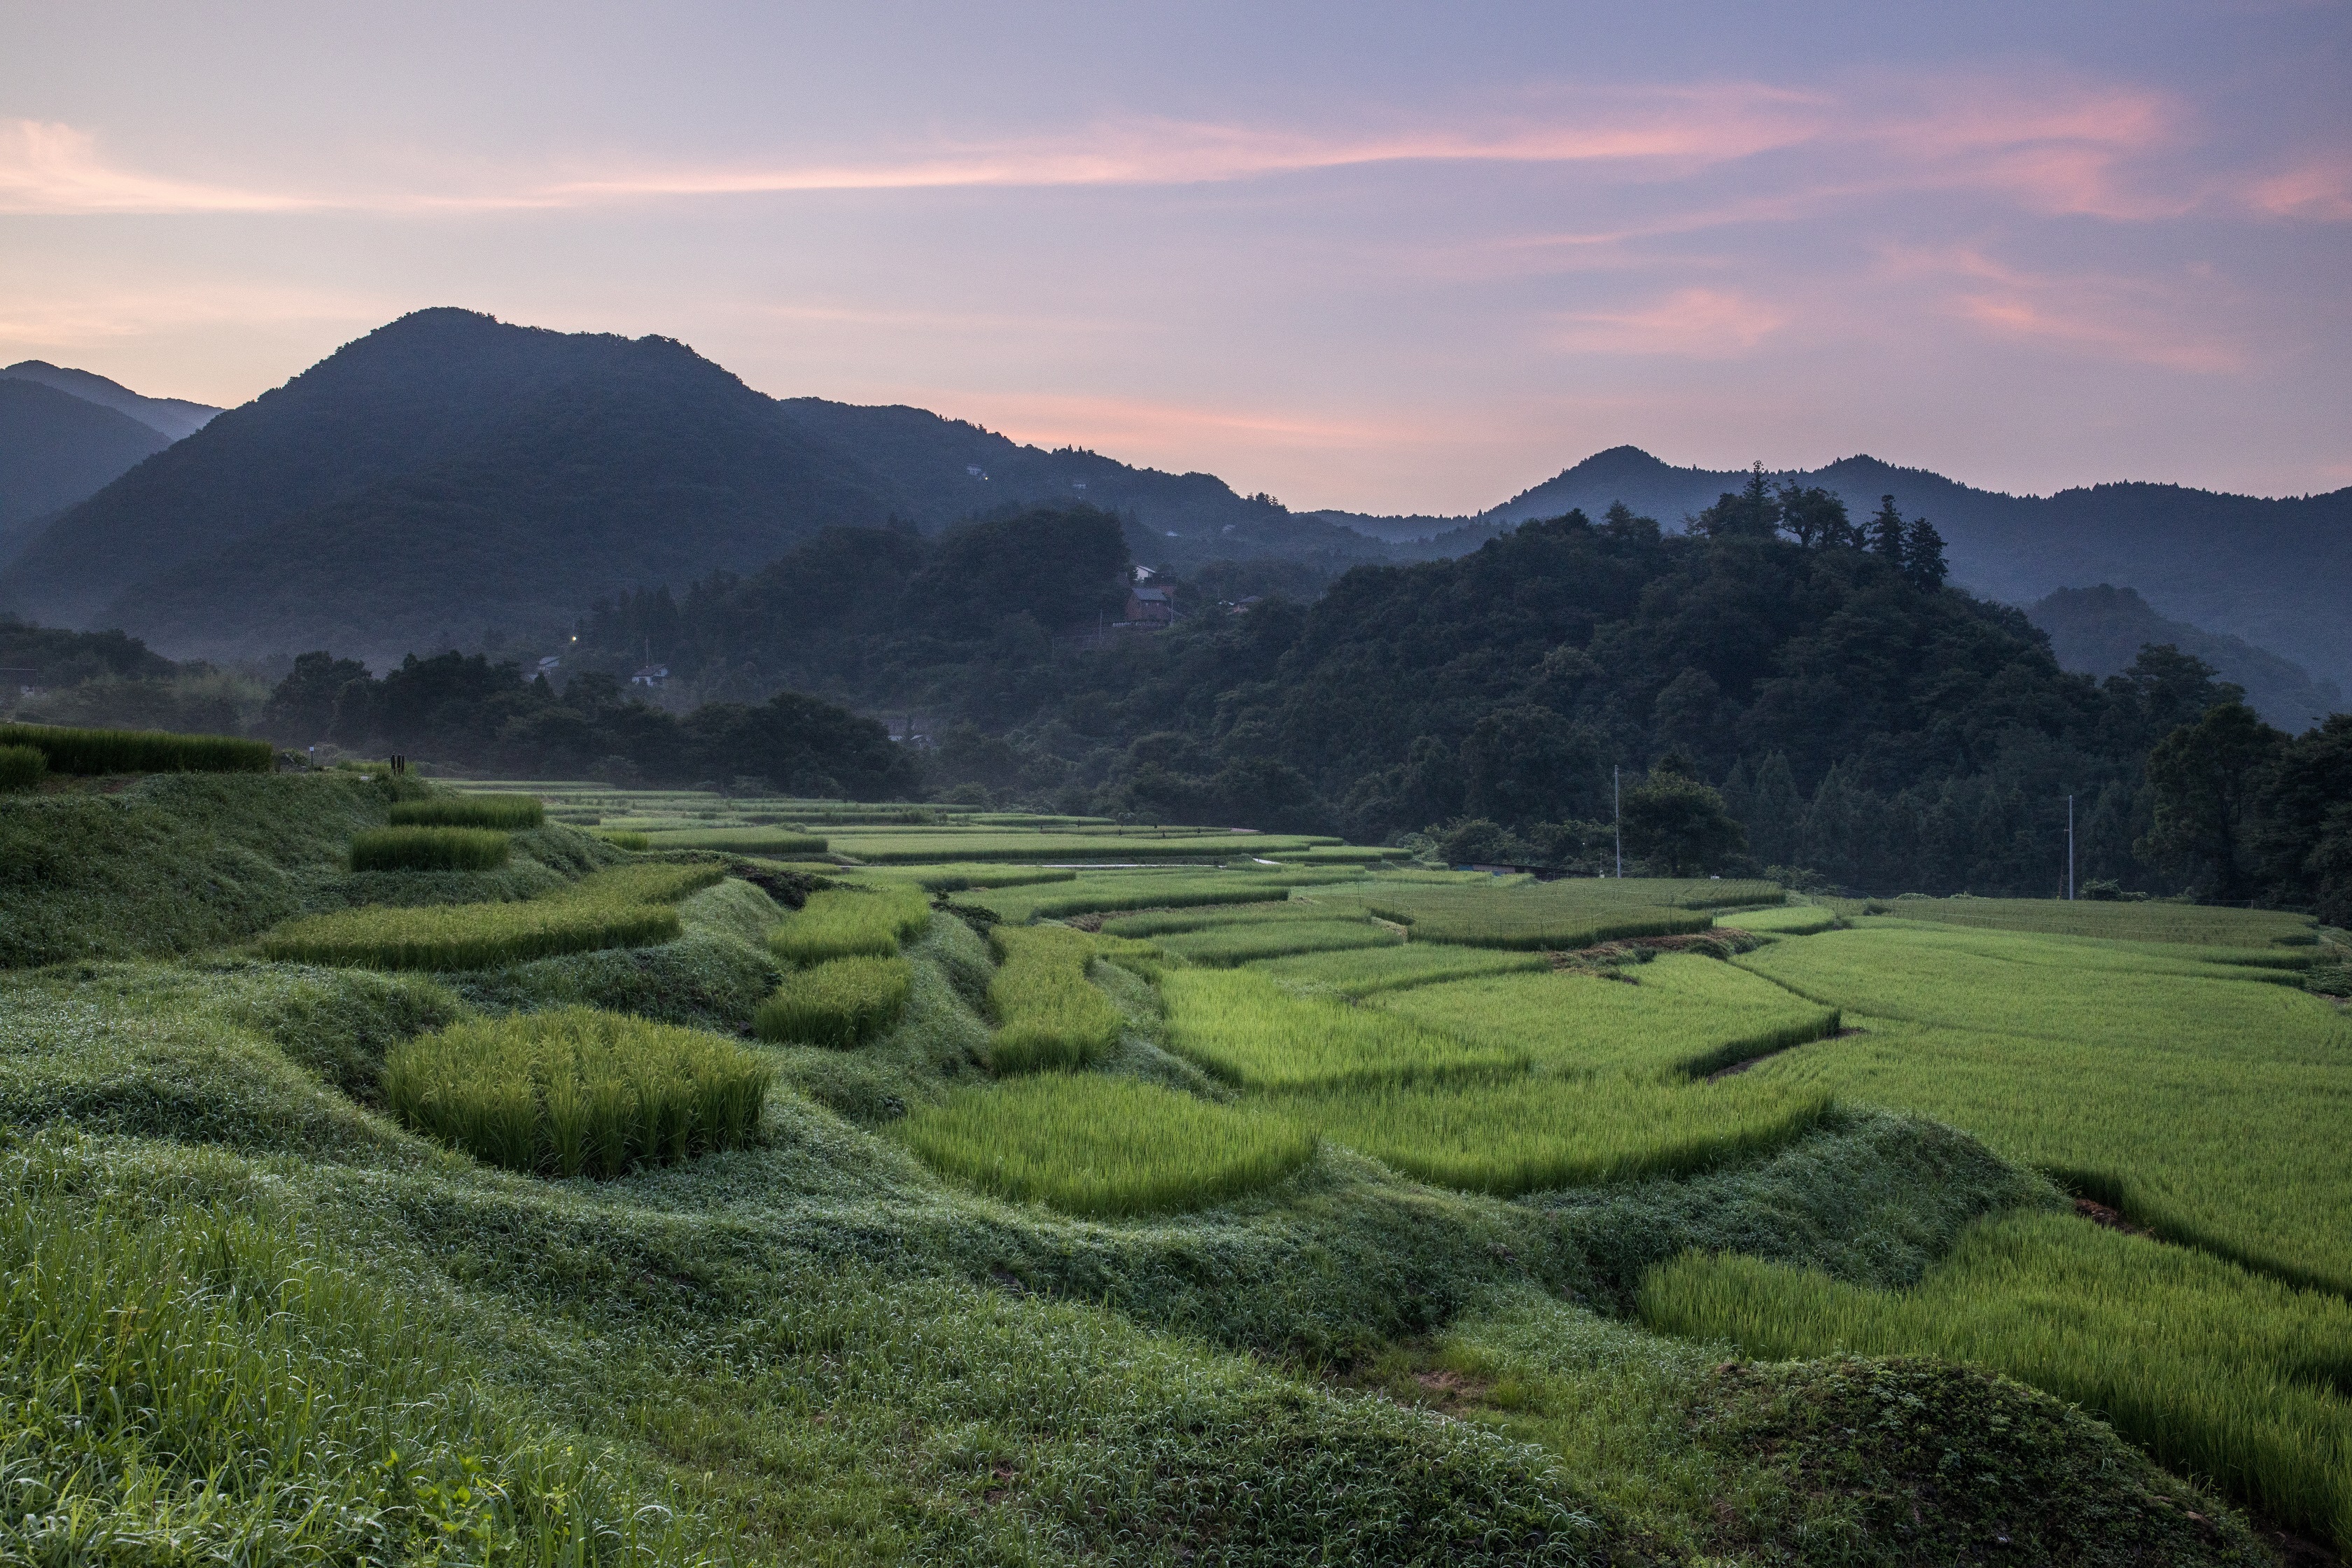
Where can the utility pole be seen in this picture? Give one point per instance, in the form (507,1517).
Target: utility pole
(1617,815)
(2069,849)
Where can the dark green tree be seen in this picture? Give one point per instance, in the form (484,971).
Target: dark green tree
(1815,517)
(2206,779)
(1527,764)
(2301,841)
(1753,512)
(1885,529)
(301,708)
(1678,824)
(1922,555)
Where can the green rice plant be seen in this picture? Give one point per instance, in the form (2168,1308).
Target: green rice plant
(958,879)
(1524,918)
(1164,923)
(2219,1372)
(1104,1147)
(1366,971)
(2151,921)
(735,840)
(1532,1133)
(843,922)
(1104,892)
(1788,920)
(577,1092)
(93,751)
(1337,854)
(511,812)
(22,767)
(467,936)
(1682,1016)
(1242,941)
(914,845)
(429,849)
(1048,1014)
(2208,1106)
(637,841)
(626,885)
(1242,1027)
(841,1002)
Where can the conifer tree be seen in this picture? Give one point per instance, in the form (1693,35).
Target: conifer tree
(1922,555)
(1885,531)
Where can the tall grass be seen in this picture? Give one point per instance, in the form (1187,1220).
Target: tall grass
(576,1092)
(1367,972)
(1103,1146)
(140,751)
(1048,1014)
(192,1385)
(512,812)
(1683,1016)
(2217,1370)
(841,1002)
(429,849)
(845,922)
(21,768)
(1247,1030)
(1524,1134)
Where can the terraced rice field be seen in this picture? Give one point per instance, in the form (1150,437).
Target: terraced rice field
(1249,1031)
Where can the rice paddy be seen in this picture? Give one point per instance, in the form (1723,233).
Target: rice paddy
(773,841)
(2201,925)
(1110,892)
(1106,1147)
(1367,972)
(841,1002)
(2219,1372)
(1245,1028)
(1542,916)
(576,1092)
(22,767)
(1242,941)
(511,812)
(912,845)
(845,922)
(1048,1014)
(100,752)
(1680,1016)
(1536,1133)
(626,906)
(429,849)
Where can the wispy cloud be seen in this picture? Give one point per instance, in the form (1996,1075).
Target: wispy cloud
(2140,319)
(1706,323)
(2320,189)
(46,167)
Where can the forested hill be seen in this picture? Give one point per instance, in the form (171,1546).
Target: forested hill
(55,448)
(449,474)
(1872,723)
(2274,573)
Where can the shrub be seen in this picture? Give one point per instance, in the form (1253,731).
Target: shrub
(1048,1014)
(21,768)
(846,922)
(1105,1146)
(90,751)
(429,849)
(841,1002)
(507,811)
(577,1092)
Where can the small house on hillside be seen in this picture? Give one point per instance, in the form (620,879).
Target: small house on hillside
(1149,606)
(653,675)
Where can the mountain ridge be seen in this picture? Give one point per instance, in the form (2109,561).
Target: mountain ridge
(170,417)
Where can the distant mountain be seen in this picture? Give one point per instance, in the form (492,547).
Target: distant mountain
(448,475)
(56,450)
(2099,631)
(170,417)
(2276,573)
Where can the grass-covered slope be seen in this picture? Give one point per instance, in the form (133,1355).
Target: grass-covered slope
(308,1331)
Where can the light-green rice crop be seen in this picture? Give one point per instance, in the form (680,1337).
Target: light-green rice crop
(1103,1146)
(2151,921)
(576,1092)
(512,812)
(2217,1370)
(1788,920)
(1164,923)
(1683,1016)
(1530,1133)
(1098,892)
(1364,972)
(637,841)
(737,840)
(843,922)
(1048,1014)
(1539,916)
(1246,1029)
(841,1002)
(956,879)
(1241,942)
(624,906)
(429,849)
(915,845)
(2210,1107)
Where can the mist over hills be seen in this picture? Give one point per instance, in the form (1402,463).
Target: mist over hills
(170,417)
(56,450)
(2100,630)
(448,478)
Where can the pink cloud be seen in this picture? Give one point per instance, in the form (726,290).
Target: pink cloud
(50,168)
(2321,189)
(2143,321)
(1706,323)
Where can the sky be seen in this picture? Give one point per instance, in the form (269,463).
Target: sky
(1389,258)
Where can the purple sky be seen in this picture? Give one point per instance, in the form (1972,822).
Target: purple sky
(1381,256)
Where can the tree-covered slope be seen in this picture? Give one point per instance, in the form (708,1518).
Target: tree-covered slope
(2099,631)
(56,450)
